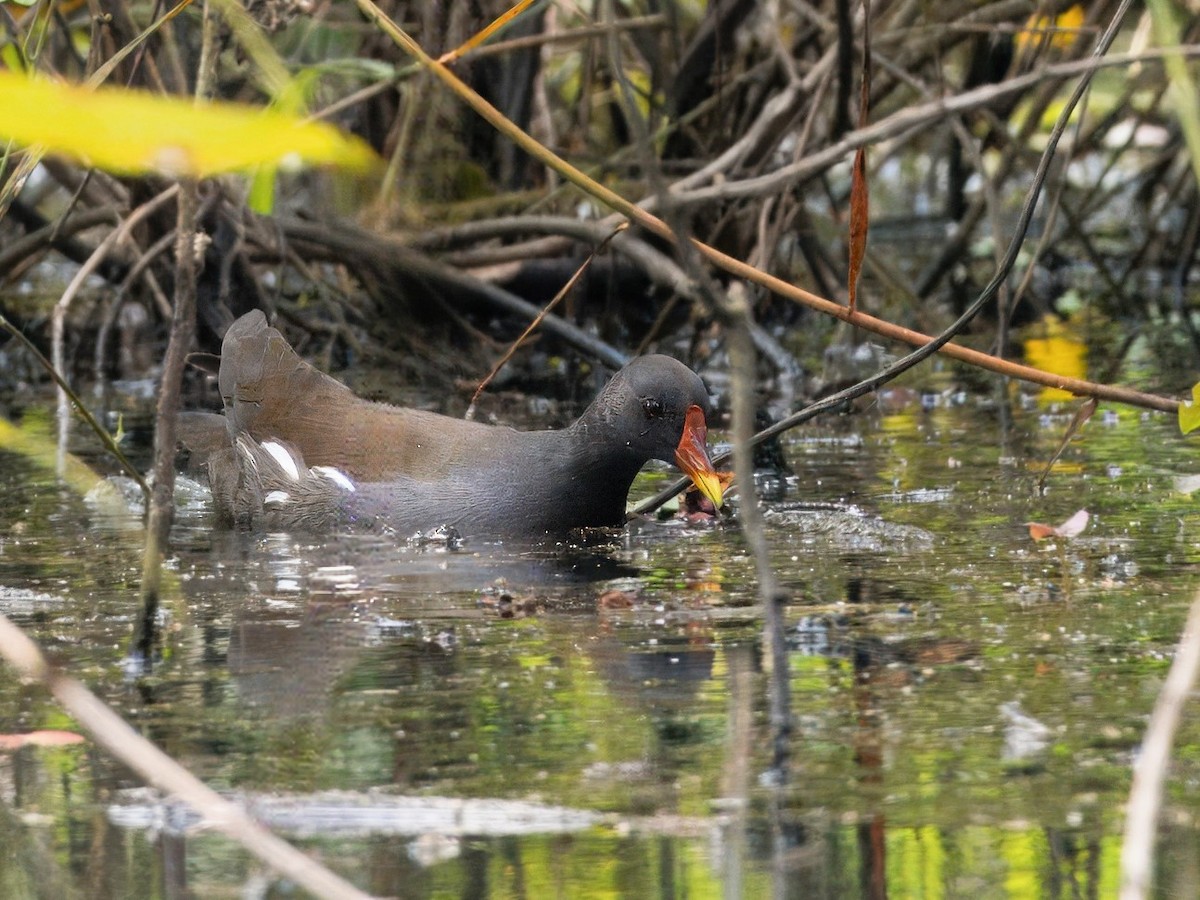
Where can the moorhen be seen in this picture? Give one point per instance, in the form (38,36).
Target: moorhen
(296,449)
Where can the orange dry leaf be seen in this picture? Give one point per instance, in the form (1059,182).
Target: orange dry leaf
(500,22)
(725,479)
(1040,532)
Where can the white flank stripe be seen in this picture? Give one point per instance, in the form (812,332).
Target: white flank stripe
(279,497)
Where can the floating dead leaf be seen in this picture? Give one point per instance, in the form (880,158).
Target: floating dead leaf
(616,599)
(45,738)
(1068,529)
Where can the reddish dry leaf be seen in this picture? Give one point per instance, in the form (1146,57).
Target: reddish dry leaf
(860,202)
(859,208)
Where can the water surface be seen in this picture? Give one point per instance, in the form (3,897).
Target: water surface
(505,722)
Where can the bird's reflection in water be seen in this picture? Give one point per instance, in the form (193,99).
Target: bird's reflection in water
(302,612)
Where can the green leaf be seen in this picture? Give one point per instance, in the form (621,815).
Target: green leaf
(1189,411)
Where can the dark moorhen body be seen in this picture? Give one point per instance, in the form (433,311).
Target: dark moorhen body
(297,450)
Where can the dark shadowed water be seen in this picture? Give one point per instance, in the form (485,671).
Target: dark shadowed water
(499,722)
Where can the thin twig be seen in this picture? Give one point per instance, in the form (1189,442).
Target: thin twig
(740,269)
(20,249)
(161,507)
(911,120)
(84,413)
(117,235)
(986,296)
(546,310)
(351,246)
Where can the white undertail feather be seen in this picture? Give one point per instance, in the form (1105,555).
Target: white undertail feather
(281,455)
(286,469)
(336,476)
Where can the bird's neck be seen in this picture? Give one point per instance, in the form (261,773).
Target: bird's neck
(594,474)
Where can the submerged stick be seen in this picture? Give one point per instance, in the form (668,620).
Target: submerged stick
(1145,795)
(116,736)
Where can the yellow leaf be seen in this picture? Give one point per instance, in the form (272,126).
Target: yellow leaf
(1062,30)
(1189,411)
(1056,349)
(133,132)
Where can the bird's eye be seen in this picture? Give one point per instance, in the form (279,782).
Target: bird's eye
(652,408)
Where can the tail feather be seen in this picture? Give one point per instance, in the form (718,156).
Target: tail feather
(278,411)
(262,379)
